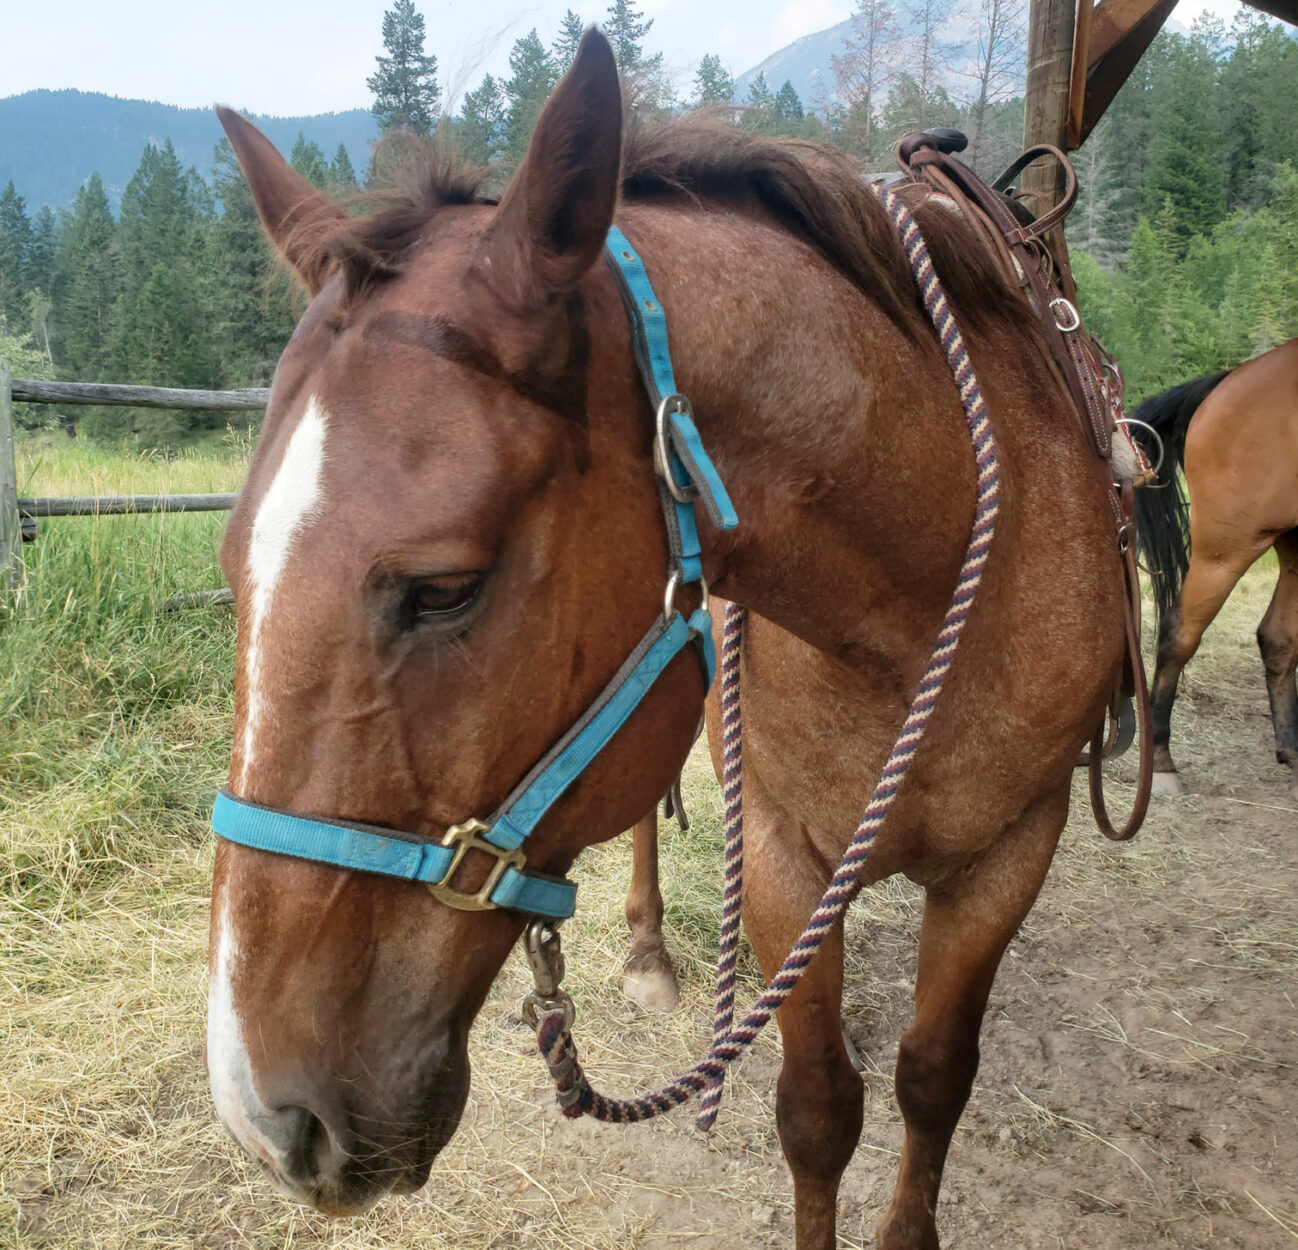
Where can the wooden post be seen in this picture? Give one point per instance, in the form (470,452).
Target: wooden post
(1045,111)
(11,539)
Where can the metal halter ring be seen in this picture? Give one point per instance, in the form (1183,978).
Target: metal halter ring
(1072,313)
(1158,438)
(673,588)
(662,447)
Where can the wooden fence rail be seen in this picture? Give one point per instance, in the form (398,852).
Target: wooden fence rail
(17,515)
(29,392)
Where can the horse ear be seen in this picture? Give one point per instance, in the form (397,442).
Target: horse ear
(553,218)
(292,211)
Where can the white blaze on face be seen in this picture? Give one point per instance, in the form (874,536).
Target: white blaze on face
(228,1063)
(288,506)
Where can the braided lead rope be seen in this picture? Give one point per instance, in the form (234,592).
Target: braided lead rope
(732,793)
(553,1034)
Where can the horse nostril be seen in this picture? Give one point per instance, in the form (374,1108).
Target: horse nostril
(313,1153)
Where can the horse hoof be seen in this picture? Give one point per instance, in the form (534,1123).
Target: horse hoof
(651,984)
(1167,783)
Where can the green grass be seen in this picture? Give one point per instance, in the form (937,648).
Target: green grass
(114,715)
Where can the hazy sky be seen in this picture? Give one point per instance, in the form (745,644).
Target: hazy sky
(289,57)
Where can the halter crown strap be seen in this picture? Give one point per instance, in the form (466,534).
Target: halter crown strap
(686,473)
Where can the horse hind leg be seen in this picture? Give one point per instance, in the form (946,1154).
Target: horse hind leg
(649,979)
(966,927)
(1208,584)
(1277,639)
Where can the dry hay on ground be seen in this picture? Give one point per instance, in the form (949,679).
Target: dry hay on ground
(1138,1087)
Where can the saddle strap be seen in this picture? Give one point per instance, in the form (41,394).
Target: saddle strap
(1029,262)
(1144,727)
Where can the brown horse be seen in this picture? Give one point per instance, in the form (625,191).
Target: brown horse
(450,538)
(1235,435)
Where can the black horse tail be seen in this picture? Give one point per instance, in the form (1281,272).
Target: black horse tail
(1162,509)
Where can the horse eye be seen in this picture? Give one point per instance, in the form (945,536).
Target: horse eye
(443,596)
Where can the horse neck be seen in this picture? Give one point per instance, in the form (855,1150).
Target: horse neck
(839,435)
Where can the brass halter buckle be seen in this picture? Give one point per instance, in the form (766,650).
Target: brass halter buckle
(464,838)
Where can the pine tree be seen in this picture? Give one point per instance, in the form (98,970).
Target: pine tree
(15,250)
(42,255)
(626,28)
(713,83)
(648,89)
(406,92)
(251,297)
(482,127)
(1267,330)
(342,177)
(1263,64)
(1283,207)
(760,99)
(571,30)
(309,161)
(1184,161)
(160,336)
(531,78)
(89,278)
(787,105)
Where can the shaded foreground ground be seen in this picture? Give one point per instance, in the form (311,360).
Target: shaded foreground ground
(1138,1087)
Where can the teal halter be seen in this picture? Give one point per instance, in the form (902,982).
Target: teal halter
(685,473)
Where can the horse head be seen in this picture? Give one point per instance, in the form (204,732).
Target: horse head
(448,542)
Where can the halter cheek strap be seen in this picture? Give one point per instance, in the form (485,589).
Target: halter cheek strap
(685,474)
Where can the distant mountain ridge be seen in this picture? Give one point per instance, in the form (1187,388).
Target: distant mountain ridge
(52,141)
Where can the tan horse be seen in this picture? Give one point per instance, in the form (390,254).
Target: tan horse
(1235,434)
(450,539)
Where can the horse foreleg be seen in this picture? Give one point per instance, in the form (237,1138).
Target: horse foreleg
(967,925)
(1277,639)
(818,1102)
(1207,586)
(648,977)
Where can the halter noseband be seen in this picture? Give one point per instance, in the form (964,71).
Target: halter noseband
(685,473)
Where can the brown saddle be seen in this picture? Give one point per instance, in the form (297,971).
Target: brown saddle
(1032,253)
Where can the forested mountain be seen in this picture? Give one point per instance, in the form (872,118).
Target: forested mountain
(1185,240)
(51,141)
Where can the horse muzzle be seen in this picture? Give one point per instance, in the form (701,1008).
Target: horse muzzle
(332,1146)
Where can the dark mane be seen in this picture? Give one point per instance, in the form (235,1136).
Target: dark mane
(817,193)
(809,189)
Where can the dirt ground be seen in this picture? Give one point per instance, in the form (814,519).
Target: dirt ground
(1138,1087)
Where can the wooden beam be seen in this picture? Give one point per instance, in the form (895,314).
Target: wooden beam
(1121,31)
(11,540)
(1077,74)
(1045,113)
(136,396)
(1114,21)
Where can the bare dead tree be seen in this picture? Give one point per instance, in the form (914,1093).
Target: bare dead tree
(930,54)
(1002,37)
(861,73)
